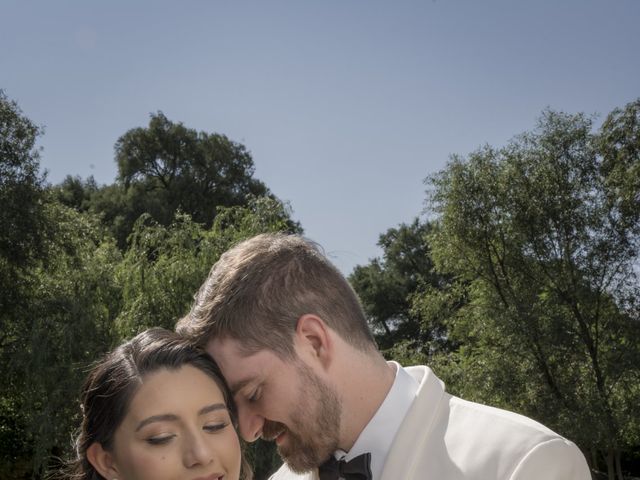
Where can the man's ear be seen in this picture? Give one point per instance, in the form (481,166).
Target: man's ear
(315,338)
(102,461)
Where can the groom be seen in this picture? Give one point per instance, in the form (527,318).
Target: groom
(293,343)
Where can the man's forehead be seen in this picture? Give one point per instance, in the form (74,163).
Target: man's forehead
(228,348)
(222,346)
(233,358)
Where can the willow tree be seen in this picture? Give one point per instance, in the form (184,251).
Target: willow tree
(165,266)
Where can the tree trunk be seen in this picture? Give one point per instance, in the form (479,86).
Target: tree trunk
(619,465)
(610,465)
(595,464)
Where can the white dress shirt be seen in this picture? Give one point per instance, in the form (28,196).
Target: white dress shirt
(377,437)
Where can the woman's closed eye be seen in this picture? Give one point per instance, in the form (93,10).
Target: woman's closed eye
(215,427)
(160,439)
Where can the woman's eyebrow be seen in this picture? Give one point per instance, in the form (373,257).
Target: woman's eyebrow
(212,407)
(157,418)
(169,417)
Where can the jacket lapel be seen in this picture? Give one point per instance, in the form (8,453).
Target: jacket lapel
(409,443)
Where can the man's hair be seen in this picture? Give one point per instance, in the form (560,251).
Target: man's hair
(257,291)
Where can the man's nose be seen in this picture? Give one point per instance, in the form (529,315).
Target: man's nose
(250,424)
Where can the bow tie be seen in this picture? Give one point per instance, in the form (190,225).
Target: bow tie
(358,468)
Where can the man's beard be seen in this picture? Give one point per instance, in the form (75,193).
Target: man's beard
(314,425)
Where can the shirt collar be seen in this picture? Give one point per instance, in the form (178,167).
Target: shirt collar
(377,437)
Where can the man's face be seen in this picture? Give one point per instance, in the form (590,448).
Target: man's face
(280,400)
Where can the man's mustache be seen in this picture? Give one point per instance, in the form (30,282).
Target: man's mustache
(270,430)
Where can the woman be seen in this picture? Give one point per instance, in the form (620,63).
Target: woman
(157,408)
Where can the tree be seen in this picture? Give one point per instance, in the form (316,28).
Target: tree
(165,266)
(543,235)
(387,286)
(619,146)
(76,193)
(168,167)
(57,302)
(21,245)
(70,300)
(21,186)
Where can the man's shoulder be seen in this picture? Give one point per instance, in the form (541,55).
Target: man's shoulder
(470,413)
(284,473)
(487,442)
(456,411)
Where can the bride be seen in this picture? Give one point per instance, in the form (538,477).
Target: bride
(157,408)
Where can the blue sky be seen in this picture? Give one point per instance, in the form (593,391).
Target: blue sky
(345,105)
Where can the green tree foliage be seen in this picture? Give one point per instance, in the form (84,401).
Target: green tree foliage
(21,245)
(76,193)
(387,287)
(163,169)
(21,197)
(619,145)
(68,301)
(72,302)
(21,185)
(165,266)
(542,239)
(167,167)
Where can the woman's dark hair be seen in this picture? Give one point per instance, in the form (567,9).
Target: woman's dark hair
(113,381)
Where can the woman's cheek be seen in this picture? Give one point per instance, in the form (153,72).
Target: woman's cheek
(147,464)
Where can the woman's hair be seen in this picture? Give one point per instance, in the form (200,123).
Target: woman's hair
(114,380)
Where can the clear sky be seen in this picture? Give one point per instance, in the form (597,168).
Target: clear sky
(345,105)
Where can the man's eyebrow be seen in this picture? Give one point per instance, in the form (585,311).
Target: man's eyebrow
(157,418)
(236,387)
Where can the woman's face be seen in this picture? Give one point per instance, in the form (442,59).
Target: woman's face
(177,428)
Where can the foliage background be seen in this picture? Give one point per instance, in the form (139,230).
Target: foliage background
(519,285)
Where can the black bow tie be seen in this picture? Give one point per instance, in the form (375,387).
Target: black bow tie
(358,468)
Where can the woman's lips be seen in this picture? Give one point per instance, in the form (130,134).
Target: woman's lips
(214,476)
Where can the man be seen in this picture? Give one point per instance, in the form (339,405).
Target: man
(293,343)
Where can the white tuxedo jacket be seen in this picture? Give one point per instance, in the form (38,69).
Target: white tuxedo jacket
(446,438)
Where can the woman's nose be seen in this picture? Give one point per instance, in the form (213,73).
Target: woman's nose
(198,451)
